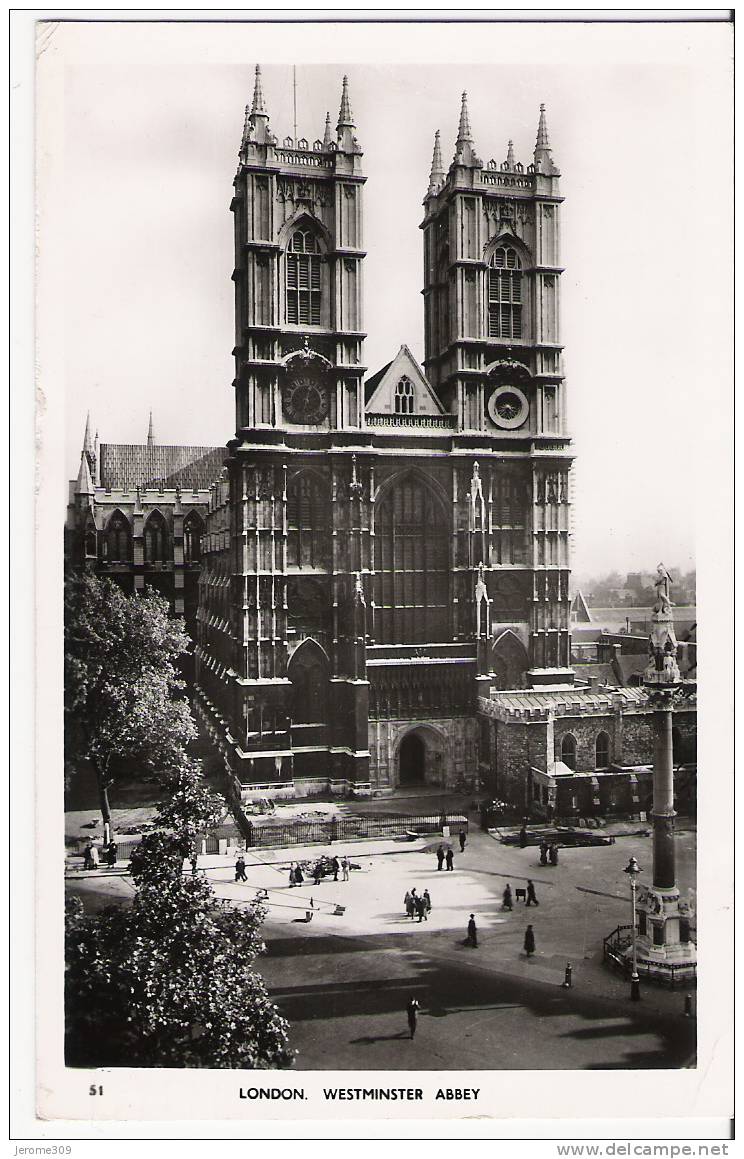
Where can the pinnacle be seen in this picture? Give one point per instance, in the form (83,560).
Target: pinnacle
(464,132)
(510,155)
(437,172)
(87,442)
(327,136)
(150,433)
(259,106)
(542,131)
(345,117)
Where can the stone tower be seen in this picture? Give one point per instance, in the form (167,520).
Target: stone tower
(282,599)
(494,357)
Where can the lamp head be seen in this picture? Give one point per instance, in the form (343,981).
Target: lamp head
(633,868)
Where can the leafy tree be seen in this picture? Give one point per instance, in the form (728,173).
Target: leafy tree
(123,696)
(171,980)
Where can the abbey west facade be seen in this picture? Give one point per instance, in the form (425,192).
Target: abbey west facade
(384,552)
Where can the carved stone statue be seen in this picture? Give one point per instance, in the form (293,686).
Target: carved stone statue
(662,584)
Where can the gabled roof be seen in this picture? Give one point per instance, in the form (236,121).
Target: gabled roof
(580,609)
(130,465)
(379,391)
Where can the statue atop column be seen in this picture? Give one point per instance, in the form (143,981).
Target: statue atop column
(662,643)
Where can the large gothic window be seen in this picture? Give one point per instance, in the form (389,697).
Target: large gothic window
(303,279)
(156,539)
(404,397)
(118,542)
(411,566)
(193,529)
(505,294)
(308,522)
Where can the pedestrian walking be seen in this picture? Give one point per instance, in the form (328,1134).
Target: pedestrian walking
(317,873)
(344,868)
(94,857)
(409,904)
(523,837)
(463,840)
(112,854)
(531,897)
(440,857)
(450,859)
(412,1011)
(87,859)
(421,909)
(240,869)
(299,876)
(472,933)
(507,898)
(291,875)
(543,852)
(529,941)
(553,854)
(335,866)
(427,903)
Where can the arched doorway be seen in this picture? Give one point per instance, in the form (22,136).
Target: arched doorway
(412,760)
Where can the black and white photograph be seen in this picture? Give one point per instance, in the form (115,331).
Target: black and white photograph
(384,390)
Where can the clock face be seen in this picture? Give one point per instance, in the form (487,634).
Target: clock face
(508,407)
(306,399)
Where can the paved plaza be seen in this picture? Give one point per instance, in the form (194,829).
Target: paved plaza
(343,978)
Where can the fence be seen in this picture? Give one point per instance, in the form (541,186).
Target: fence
(347,828)
(663,973)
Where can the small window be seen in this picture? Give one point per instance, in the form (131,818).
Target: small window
(568,751)
(602,751)
(404,397)
(192,537)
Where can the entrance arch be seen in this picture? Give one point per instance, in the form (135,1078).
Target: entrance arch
(421,756)
(412,760)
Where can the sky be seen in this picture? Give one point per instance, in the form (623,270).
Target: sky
(138,137)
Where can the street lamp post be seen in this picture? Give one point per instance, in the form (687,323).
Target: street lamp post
(633,869)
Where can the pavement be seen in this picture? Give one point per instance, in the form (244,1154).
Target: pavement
(343,978)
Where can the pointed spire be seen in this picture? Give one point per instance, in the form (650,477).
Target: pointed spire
(543,160)
(510,155)
(256,127)
(328,135)
(84,485)
(345,118)
(464,133)
(464,149)
(345,140)
(150,435)
(87,441)
(436,177)
(258,106)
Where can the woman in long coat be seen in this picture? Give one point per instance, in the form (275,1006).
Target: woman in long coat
(529,941)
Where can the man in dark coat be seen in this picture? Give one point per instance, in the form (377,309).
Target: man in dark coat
(112,854)
(529,941)
(463,839)
(421,909)
(523,837)
(412,1011)
(240,869)
(440,857)
(531,897)
(507,897)
(335,866)
(472,932)
(450,859)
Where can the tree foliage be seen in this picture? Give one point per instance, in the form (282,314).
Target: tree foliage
(124,700)
(171,980)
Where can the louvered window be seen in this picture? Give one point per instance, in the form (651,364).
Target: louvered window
(303,280)
(505,294)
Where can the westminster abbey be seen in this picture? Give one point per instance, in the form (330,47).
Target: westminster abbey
(379,554)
